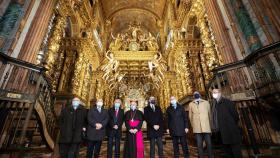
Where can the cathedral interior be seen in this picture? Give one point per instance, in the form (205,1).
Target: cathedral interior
(53,50)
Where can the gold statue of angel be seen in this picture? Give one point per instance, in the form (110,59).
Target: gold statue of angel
(111,66)
(116,44)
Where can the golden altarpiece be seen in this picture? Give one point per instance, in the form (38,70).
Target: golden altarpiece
(133,49)
(87,58)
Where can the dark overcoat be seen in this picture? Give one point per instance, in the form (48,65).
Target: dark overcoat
(154,118)
(71,124)
(177,120)
(115,120)
(94,116)
(227,118)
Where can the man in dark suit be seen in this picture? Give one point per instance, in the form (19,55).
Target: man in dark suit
(177,127)
(114,128)
(225,120)
(72,122)
(96,131)
(154,118)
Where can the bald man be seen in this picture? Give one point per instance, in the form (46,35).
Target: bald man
(72,122)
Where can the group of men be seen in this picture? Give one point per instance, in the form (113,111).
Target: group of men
(77,124)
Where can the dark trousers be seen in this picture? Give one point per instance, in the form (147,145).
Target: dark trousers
(93,145)
(200,137)
(232,150)
(153,142)
(69,150)
(183,141)
(111,143)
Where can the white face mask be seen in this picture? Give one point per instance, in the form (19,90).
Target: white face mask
(99,104)
(216,95)
(133,107)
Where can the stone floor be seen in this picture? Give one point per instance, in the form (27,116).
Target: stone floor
(168,152)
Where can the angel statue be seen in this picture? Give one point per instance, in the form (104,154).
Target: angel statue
(155,61)
(134,31)
(117,43)
(158,64)
(111,66)
(152,43)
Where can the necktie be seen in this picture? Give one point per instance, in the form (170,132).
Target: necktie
(116,112)
(154,108)
(99,110)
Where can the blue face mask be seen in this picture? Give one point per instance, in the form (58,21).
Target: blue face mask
(153,102)
(117,105)
(196,96)
(75,103)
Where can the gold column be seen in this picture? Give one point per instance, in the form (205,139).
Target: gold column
(64,85)
(78,75)
(54,45)
(209,52)
(183,84)
(188,75)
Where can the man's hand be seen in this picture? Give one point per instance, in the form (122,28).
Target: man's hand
(186,130)
(98,126)
(135,131)
(115,127)
(156,127)
(167,131)
(131,131)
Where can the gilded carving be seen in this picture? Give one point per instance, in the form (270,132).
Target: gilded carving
(54,52)
(106,62)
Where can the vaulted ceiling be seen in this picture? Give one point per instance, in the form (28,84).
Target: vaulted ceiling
(123,12)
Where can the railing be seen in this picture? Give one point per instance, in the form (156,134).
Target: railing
(22,82)
(247,82)
(256,72)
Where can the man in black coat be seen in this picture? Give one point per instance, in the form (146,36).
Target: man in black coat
(72,122)
(96,131)
(154,118)
(114,128)
(177,127)
(225,120)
